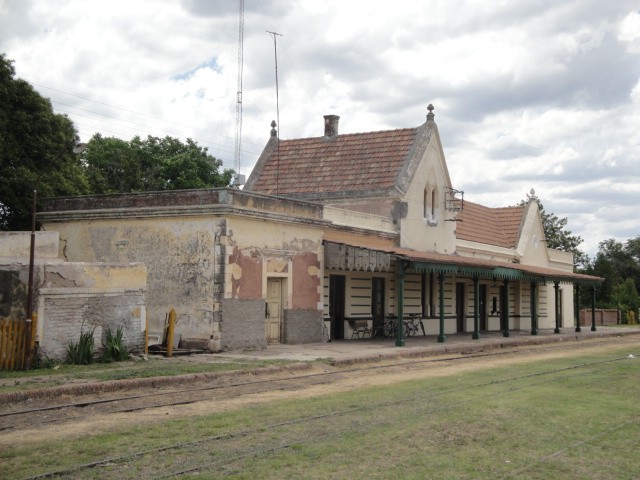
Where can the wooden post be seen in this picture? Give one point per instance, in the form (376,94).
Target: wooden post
(146,335)
(170,330)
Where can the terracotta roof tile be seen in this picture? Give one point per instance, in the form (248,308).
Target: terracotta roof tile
(491,226)
(345,163)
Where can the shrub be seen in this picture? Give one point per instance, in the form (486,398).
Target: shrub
(81,352)
(114,348)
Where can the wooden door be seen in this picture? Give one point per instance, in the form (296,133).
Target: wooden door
(274,309)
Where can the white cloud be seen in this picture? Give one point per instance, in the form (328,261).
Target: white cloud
(540,94)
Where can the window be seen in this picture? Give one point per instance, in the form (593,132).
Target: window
(430,205)
(434,206)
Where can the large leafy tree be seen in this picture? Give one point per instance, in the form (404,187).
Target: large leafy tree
(36,150)
(118,166)
(619,264)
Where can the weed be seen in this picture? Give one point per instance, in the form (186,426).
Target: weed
(81,352)
(114,348)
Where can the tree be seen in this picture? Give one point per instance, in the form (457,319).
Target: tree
(626,298)
(618,264)
(118,166)
(558,236)
(36,150)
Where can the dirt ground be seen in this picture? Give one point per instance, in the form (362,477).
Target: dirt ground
(92,421)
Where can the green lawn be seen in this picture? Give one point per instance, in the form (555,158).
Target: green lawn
(571,418)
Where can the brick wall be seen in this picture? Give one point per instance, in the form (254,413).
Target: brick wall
(65,316)
(603,316)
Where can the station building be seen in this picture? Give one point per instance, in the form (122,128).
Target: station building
(329,234)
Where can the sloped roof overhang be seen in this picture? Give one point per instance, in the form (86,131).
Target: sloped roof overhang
(453,264)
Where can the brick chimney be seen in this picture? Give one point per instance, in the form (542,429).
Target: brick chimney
(331,125)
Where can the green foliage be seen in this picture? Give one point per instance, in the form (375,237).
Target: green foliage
(81,352)
(114,348)
(631,317)
(118,166)
(35,150)
(36,153)
(619,264)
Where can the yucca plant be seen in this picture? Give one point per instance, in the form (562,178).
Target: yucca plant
(81,352)
(114,347)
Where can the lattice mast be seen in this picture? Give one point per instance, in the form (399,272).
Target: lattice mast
(238,179)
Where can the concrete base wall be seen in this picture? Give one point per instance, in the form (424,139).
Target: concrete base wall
(243,324)
(302,326)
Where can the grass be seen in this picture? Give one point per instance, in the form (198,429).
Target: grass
(548,419)
(58,374)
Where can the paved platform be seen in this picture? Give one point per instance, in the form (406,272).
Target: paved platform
(351,351)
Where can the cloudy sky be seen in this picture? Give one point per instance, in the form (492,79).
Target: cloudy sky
(541,94)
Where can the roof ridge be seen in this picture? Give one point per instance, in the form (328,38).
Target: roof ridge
(341,135)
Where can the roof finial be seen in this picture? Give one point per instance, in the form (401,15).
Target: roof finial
(430,115)
(531,196)
(273,128)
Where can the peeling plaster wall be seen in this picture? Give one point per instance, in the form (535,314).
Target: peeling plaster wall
(13,290)
(209,254)
(17,245)
(75,297)
(259,250)
(72,297)
(184,263)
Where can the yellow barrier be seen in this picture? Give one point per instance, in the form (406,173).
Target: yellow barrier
(170,330)
(146,335)
(12,344)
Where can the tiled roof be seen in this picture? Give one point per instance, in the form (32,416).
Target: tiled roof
(491,226)
(344,163)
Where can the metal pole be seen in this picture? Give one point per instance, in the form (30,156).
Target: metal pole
(577,307)
(275,53)
(505,314)
(556,288)
(441,337)
(593,308)
(32,253)
(400,304)
(476,307)
(534,308)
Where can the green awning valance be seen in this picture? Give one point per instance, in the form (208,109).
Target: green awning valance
(494,273)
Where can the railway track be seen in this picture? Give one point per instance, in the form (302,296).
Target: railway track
(233,449)
(59,413)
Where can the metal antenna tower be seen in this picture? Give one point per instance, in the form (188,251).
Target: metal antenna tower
(237,178)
